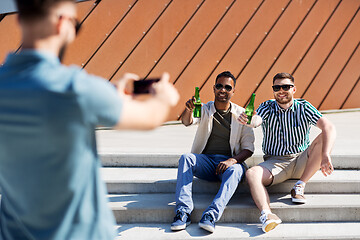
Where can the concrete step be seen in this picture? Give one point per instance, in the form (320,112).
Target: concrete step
(159,208)
(170,160)
(163,180)
(320,230)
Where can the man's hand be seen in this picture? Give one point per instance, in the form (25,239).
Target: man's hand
(221,168)
(165,91)
(255,120)
(326,165)
(146,113)
(190,104)
(123,85)
(186,117)
(243,119)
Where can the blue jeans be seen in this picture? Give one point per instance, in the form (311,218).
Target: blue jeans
(203,166)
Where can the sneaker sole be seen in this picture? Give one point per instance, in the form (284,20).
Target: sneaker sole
(296,200)
(207,227)
(270,226)
(179,227)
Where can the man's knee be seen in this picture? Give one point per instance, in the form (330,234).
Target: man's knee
(259,174)
(254,174)
(187,159)
(235,170)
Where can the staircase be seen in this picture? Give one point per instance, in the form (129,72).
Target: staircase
(141,184)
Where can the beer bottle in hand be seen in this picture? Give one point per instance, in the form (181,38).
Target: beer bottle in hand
(249,110)
(197,103)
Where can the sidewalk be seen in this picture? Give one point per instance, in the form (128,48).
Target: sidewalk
(177,139)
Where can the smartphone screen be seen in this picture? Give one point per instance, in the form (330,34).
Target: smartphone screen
(144,86)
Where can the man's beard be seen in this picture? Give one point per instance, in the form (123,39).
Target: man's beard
(283,100)
(62,52)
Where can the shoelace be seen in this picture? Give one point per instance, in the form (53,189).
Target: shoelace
(299,190)
(179,216)
(208,217)
(263,218)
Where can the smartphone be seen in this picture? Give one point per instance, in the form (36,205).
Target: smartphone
(144,86)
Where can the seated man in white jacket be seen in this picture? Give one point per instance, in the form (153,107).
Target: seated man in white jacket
(220,147)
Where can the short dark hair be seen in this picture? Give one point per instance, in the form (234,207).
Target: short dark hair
(226,74)
(36,9)
(283,75)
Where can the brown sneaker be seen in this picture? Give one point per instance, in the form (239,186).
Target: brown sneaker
(297,194)
(269,221)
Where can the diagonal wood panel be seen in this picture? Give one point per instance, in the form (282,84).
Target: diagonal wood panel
(246,44)
(297,46)
(10,35)
(84,9)
(270,49)
(186,45)
(194,40)
(130,32)
(353,98)
(218,44)
(95,30)
(334,63)
(344,84)
(323,45)
(146,55)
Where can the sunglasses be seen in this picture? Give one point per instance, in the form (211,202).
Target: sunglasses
(74,21)
(285,87)
(219,86)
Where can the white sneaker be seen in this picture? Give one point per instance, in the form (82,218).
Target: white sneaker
(269,221)
(297,194)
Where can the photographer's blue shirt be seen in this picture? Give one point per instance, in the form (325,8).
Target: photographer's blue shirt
(49,168)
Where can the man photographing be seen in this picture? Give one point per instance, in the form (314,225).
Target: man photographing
(49,166)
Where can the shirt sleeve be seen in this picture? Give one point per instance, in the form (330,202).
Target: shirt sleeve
(264,110)
(99,98)
(247,139)
(312,114)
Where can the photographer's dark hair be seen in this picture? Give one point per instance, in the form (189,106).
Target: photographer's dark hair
(226,74)
(283,76)
(36,9)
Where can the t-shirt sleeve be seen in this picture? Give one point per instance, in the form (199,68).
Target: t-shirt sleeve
(100,100)
(312,114)
(264,110)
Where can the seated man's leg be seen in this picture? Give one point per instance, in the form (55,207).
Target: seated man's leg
(189,164)
(229,182)
(307,164)
(313,161)
(272,171)
(258,178)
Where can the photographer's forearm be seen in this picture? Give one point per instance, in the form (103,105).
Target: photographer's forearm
(143,115)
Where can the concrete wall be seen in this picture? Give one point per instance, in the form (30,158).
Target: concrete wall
(315,40)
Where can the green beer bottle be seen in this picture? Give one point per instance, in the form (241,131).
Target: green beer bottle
(249,110)
(197,103)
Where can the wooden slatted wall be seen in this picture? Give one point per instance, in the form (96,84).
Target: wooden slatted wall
(315,40)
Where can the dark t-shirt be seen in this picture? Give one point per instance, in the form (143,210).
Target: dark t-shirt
(218,142)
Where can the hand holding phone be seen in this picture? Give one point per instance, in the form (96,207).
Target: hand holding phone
(144,86)
(162,89)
